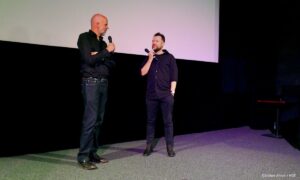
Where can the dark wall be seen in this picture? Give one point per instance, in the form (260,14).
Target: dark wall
(288,76)
(259,59)
(40,104)
(43,108)
(247,58)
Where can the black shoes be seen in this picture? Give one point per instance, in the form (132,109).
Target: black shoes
(88,165)
(170,151)
(97,159)
(148,150)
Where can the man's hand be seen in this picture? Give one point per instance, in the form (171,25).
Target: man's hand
(110,47)
(147,65)
(151,55)
(94,53)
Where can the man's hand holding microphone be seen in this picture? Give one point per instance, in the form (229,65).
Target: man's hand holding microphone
(111,46)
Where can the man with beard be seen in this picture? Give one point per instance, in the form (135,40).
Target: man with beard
(162,75)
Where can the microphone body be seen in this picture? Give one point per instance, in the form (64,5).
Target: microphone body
(109,39)
(147,51)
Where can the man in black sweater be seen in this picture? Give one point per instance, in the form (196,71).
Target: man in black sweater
(162,76)
(96,65)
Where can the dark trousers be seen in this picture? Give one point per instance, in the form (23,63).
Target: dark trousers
(94,93)
(164,104)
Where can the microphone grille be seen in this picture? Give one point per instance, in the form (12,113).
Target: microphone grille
(109,39)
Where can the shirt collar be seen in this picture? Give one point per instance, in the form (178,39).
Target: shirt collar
(94,35)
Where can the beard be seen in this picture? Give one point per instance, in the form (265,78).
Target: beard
(157,49)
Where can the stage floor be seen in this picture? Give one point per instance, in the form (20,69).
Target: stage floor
(238,153)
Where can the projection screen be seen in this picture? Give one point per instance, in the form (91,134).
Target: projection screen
(191,27)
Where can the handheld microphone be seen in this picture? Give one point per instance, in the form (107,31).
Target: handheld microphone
(109,39)
(147,51)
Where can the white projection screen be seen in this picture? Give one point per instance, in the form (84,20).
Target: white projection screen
(191,27)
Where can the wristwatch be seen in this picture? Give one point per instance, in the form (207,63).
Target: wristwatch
(173,93)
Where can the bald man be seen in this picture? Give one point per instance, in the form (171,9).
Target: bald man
(96,66)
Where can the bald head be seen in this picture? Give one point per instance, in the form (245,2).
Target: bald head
(99,24)
(96,18)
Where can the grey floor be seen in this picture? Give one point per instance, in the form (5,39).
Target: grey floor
(238,153)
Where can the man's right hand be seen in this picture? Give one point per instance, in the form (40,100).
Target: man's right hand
(151,55)
(94,53)
(110,47)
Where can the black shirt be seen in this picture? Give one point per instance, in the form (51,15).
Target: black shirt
(99,65)
(162,72)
